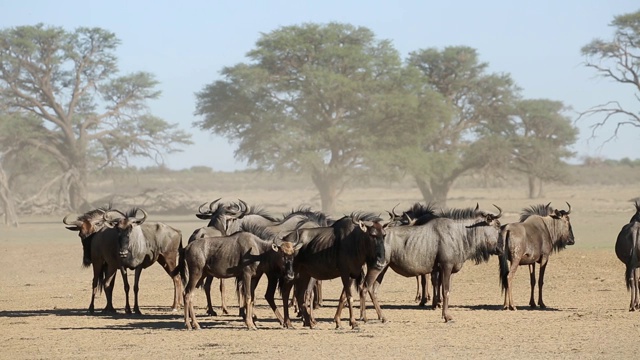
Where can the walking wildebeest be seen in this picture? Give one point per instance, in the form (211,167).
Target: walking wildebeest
(97,251)
(338,250)
(541,231)
(241,255)
(141,244)
(628,251)
(444,243)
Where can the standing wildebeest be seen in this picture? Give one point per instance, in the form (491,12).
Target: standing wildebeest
(541,231)
(100,250)
(339,250)
(443,243)
(628,251)
(242,255)
(142,244)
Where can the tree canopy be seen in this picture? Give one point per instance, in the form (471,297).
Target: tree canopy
(69,101)
(305,101)
(617,59)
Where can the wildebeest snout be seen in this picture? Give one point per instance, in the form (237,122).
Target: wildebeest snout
(124,253)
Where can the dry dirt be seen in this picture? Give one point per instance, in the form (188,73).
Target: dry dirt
(44,294)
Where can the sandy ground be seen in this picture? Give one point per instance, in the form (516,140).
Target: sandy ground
(44,295)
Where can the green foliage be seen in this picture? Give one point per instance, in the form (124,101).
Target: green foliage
(64,87)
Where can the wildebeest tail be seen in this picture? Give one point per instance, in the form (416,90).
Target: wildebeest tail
(632,262)
(181,268)
(504,259)
(102,277)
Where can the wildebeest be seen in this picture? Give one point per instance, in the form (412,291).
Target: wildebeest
(99,247)
(628,251)
(141,244)
(338,250)
(443,243)
(541,231)
(241,255)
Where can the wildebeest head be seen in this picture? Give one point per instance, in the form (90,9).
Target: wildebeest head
(86,225)
(221,216)
(564,230)
(130,236)
(489,226)
(636,216)
(288,250)
(375,233)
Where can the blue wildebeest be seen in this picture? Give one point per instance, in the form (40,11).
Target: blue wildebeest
(443,243)
(338,250)
(628,251)
(241,255)
(99,245)
(141,244)
(541,231)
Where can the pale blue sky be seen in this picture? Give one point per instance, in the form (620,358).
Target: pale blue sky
(186,43)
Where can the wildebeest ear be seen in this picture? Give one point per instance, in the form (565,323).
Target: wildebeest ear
(275,247)
(363,227)
(297,246)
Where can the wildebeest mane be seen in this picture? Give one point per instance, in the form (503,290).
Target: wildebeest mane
(95,213)
(364,216)
(540,210)
(459,214)
(258,210)
(317,217)
(259,231)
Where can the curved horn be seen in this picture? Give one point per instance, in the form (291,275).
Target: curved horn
(213,202)
(64,221)
(569,205)
(144,216)
(500,211)
(200,208)
(104,216)
(393,211)
(243,206)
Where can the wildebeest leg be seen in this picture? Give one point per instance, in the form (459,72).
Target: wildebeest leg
(436,283)
(532,281)
(301,285)
(317,290)
(309,299)
(109,282)
(418,292)
(346,288)
(369,281)
(207,291)
(374,287)
(195,275)
(136,288)
(446,286)
(635,299)
(424,294)
(248,300)
(223,302)
(169,264)
(543,267)
(99,281)
(272,282)
(285,289)
(338,314)
(125,281)
(508,299)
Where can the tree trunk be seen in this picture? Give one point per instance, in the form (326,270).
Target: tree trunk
(532,186)
(77,189)
(10,215)
(434,192)
(327,186)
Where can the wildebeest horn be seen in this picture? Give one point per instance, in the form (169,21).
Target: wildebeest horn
(477,207)
(243,206)
(75,223)
(500,211)
(200,208)
(144,216)
(393,211)
(212,203)
(569,205)
(104,216)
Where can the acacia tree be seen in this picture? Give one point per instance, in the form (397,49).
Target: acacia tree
(462,136)
(87,116)
(540,134)
(617,59)
(304,101)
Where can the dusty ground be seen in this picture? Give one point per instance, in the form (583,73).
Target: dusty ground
(44,294)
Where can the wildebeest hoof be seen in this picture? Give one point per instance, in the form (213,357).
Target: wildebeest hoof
(212,312)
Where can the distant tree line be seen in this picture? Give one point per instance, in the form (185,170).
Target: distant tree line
(328,100)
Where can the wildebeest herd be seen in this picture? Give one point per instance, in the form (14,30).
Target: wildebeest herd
(299,250)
